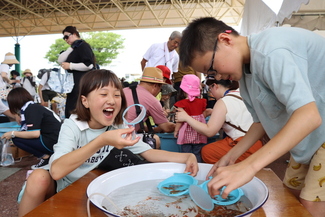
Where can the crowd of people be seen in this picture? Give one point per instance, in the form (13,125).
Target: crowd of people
(259,86)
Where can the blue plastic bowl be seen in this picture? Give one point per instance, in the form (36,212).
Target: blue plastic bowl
(232,198)
(177,185)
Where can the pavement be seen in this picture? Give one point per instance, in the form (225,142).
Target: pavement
(11,180)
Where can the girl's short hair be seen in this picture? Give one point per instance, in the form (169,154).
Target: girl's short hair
(72,30)
(93,80)
(17,98)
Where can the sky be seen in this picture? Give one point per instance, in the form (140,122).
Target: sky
(137,41)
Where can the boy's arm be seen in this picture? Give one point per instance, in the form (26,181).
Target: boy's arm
(301,123)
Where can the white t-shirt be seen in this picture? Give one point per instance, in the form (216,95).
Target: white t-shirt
(44,82)
(3,107)
(155,56)
(75,134)
(4,68)
(237,114)
(28,86)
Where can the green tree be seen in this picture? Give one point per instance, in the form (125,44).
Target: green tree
(105,45)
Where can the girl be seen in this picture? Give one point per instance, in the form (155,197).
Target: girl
(230,114)
(94,129)
(40,126)
(191,140)
(77,59)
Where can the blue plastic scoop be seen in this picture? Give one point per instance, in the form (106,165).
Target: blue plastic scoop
(177,185)
(232,198)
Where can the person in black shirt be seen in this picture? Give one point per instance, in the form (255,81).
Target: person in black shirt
(40,126)
(77,59)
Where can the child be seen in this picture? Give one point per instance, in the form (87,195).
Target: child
(190,139)
(229,114)
(40,126)
(88,136)
(281,75)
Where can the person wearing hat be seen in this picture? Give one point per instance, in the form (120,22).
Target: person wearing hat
(10,59)
(189,99)
(167,91)
(147,90)
(163,53)
(229,114)
(28,82)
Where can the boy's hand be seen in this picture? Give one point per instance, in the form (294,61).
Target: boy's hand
(232,177)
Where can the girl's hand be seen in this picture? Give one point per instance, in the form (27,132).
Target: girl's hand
(116,139)
(6,135)
(191,165)
(175,134)
(181,115)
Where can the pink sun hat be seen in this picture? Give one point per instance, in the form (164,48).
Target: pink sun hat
(191,85)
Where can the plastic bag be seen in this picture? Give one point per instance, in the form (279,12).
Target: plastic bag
(6,156)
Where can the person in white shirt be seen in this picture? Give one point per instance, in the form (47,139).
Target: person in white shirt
(163,53)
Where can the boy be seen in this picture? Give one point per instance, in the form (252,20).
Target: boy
(281,75)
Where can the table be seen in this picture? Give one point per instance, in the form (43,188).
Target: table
(72,201)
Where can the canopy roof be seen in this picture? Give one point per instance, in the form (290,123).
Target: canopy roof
(36,17)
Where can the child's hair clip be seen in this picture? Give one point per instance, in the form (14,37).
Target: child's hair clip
(228,31)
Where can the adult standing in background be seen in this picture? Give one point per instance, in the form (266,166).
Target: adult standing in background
(28,82)
(10,59)
(163,53)
(77,59)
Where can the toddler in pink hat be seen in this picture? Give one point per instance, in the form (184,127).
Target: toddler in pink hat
(191,140)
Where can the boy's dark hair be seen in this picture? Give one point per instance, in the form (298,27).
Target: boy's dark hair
(96,79)
(200,36)
(17,98)
(72,30)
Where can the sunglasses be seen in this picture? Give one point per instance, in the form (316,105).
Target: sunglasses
(65,37)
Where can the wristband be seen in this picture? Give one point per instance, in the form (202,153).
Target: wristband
(13,134)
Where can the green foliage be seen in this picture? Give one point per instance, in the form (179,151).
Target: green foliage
(55,49)
(105,45)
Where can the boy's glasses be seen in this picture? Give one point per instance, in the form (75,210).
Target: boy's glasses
(214,51)
(65,37)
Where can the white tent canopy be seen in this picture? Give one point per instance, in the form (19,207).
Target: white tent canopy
(259,14)
(310,16)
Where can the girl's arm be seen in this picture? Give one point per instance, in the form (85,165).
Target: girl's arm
(23,134)
(217,119)
(72,160)
(155,155)
(177,127)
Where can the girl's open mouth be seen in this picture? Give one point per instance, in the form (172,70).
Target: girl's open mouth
(108,112)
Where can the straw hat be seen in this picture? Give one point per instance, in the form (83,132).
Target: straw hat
(10,59)
(152,75)
(27,71)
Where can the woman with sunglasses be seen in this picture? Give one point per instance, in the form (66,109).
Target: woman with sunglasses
(77,59)
(229,114)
